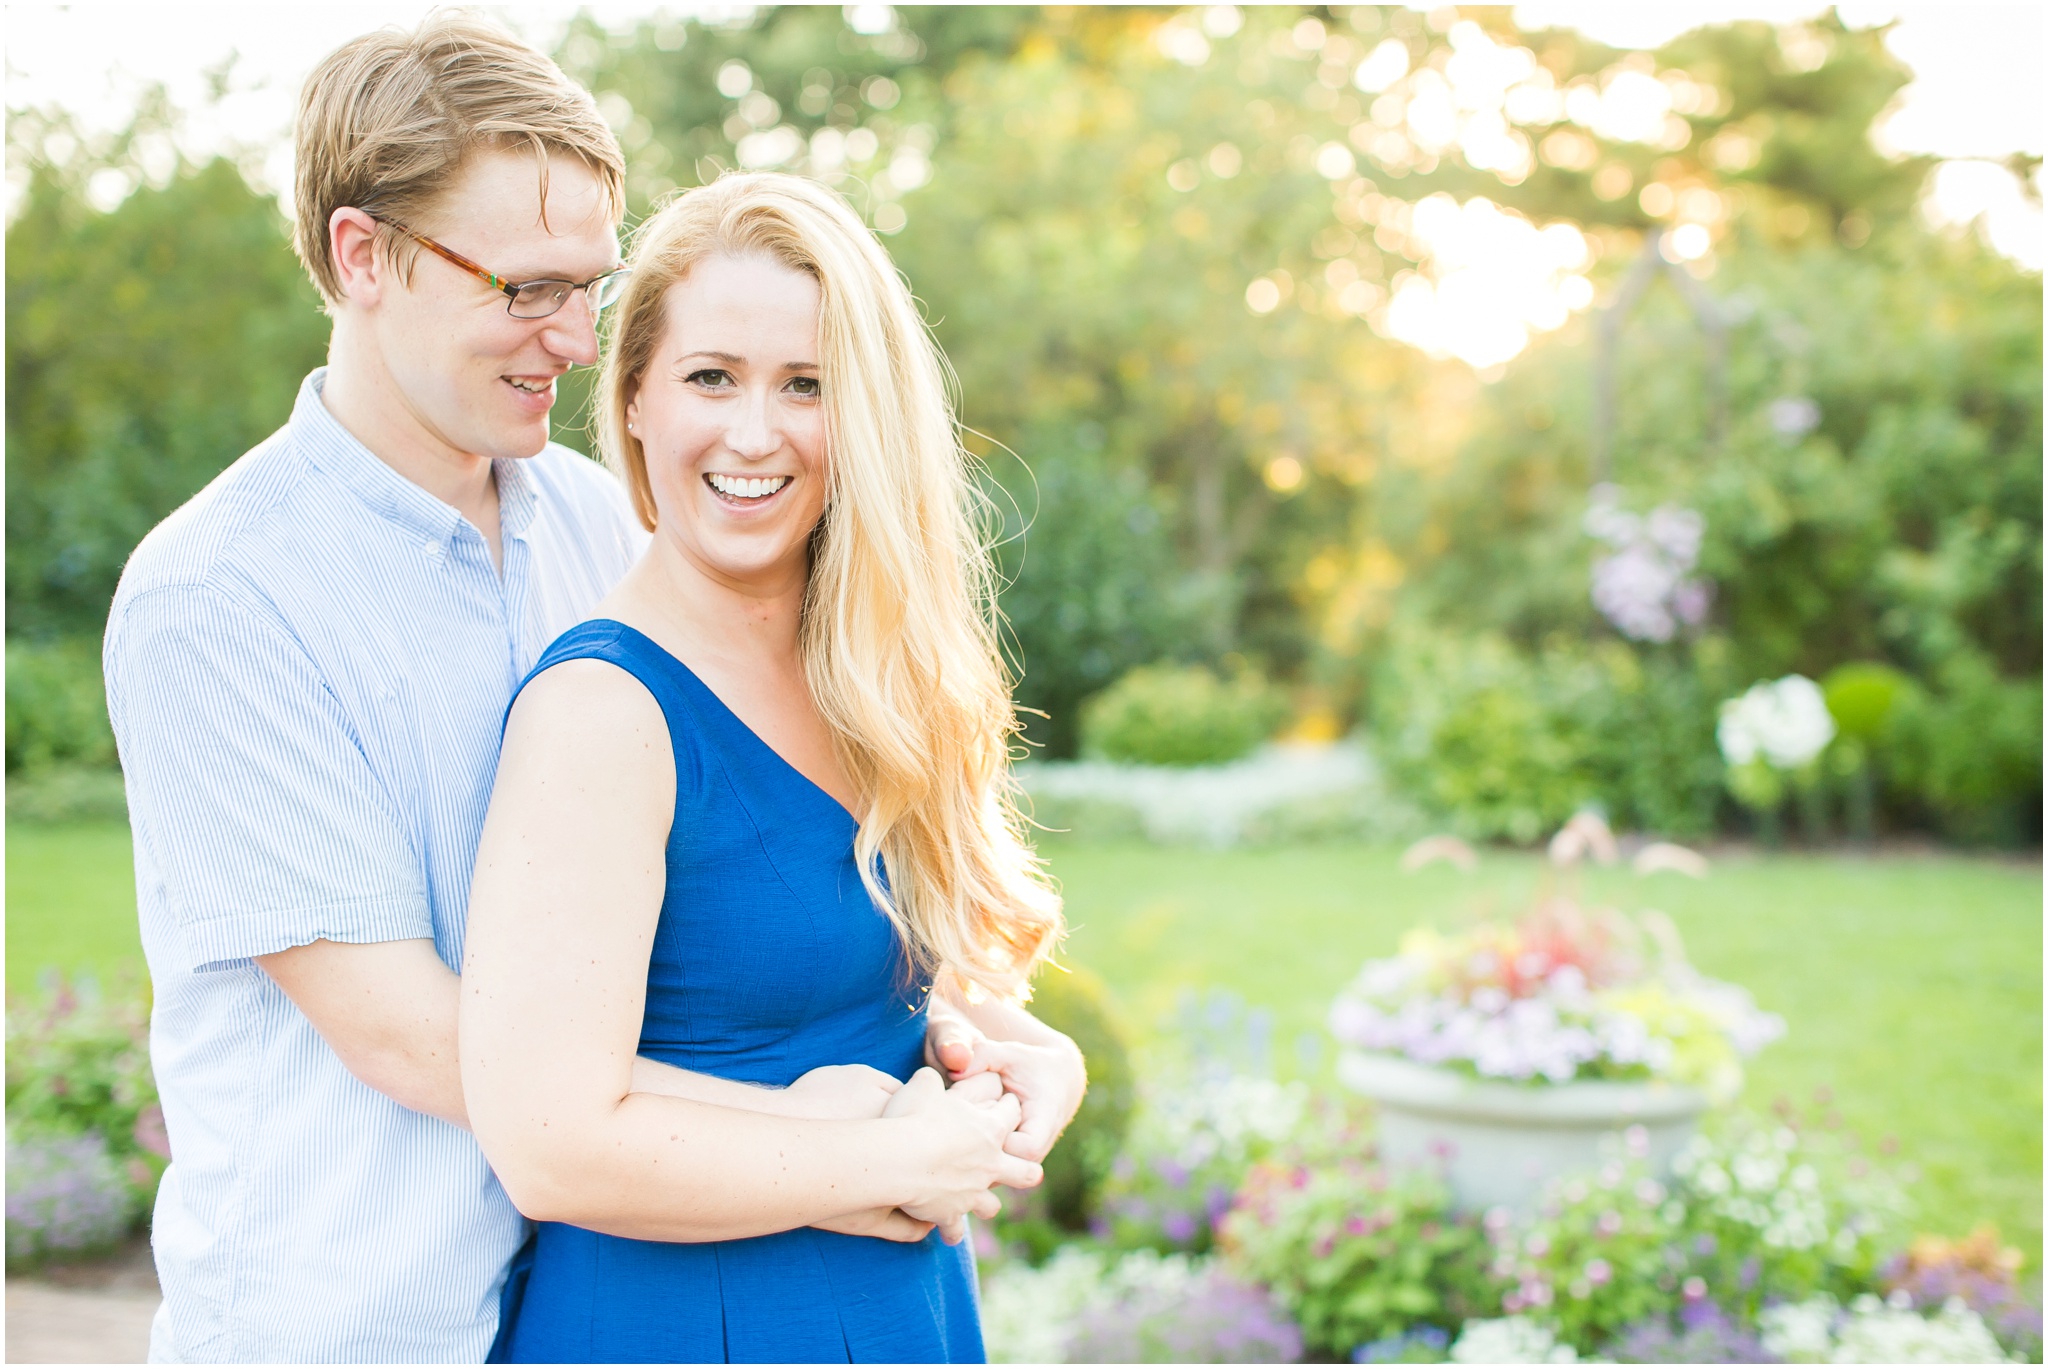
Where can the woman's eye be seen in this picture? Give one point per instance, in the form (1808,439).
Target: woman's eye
(710,379)
(804,385)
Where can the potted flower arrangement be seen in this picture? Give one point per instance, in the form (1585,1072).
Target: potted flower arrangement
(1505,1052)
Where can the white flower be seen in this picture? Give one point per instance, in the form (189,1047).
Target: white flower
(1794,416)
(1800,1332)
(1028,1315)
(1786,722)
(1818,1332)
(1509,1340)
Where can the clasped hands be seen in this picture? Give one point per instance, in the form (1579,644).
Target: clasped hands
(1008,1103)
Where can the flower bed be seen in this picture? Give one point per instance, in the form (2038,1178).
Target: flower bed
(1759,1239)
(85,1136)
(1772,1240)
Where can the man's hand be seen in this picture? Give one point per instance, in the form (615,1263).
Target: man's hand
(984,1090)
(1041,1066)
(887,1223)
(849,1093)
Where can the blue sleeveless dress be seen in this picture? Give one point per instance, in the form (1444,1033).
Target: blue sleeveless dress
(769,960)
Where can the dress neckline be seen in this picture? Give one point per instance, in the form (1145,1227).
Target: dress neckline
(735,719)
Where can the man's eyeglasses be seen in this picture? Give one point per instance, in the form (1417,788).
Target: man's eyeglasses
(527,299)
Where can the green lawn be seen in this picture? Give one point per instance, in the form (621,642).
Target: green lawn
(1911,984)
(70,902)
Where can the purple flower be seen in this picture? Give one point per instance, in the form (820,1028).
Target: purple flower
(1215,1320)
(1644,588)
(1179,1227)
(64,1194)
(1173,1171)
(1705,1335)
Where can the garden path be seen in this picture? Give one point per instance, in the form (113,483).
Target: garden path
(95,1313)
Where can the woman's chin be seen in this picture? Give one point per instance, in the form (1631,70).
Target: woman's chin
(745,563)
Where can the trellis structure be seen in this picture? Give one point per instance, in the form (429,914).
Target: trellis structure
(1713,322)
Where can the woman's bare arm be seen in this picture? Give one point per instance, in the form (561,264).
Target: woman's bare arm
(563,907)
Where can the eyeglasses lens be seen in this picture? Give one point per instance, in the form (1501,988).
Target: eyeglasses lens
(541,298)
(607,290)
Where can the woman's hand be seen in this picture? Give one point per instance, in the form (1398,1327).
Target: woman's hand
(1042,1067)
(960,1137)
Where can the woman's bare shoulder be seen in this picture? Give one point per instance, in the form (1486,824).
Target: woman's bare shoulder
(589,717)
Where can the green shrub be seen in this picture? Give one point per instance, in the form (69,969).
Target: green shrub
(56,706)
(1180,715)
(1504,743)
(67,793)
(1969,751)
(1864,697)
(1074,1001)
(1356,1252)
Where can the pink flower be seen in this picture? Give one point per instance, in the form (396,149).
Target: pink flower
(1694,1288)
(151,1134)
(1598,1272)
(1609,1223)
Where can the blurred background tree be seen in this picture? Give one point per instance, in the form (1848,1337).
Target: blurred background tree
(1224,290)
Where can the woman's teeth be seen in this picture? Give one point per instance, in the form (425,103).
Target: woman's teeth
(737,487)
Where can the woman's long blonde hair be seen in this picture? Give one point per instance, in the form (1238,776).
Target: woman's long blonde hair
(898,636)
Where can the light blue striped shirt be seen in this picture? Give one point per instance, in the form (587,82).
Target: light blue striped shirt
(307,669)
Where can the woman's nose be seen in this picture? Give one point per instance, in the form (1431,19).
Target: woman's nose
(753,433)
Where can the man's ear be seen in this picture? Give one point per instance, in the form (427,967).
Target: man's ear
(352,242)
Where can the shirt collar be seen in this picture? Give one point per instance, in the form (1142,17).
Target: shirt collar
(337,451)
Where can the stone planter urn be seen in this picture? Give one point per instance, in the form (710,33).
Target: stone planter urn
(1497,1141)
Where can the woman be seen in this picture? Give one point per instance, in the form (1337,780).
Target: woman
(745,819)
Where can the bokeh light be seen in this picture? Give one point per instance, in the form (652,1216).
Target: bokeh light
(1490,280)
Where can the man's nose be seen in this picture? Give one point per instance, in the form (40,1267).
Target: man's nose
(571,331)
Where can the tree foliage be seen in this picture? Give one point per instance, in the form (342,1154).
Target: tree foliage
(1162,250)
(146,349)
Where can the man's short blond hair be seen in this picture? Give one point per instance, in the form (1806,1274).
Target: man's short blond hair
(389,119)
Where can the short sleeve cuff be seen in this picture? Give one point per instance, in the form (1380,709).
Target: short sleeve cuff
(229,940)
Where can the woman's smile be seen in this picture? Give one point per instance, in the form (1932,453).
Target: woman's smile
(746,491)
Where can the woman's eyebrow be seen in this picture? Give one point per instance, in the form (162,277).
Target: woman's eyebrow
(734,359)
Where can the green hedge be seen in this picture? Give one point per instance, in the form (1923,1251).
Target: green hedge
(56,706)
(1180,715)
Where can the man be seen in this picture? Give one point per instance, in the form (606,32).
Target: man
(307,669)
